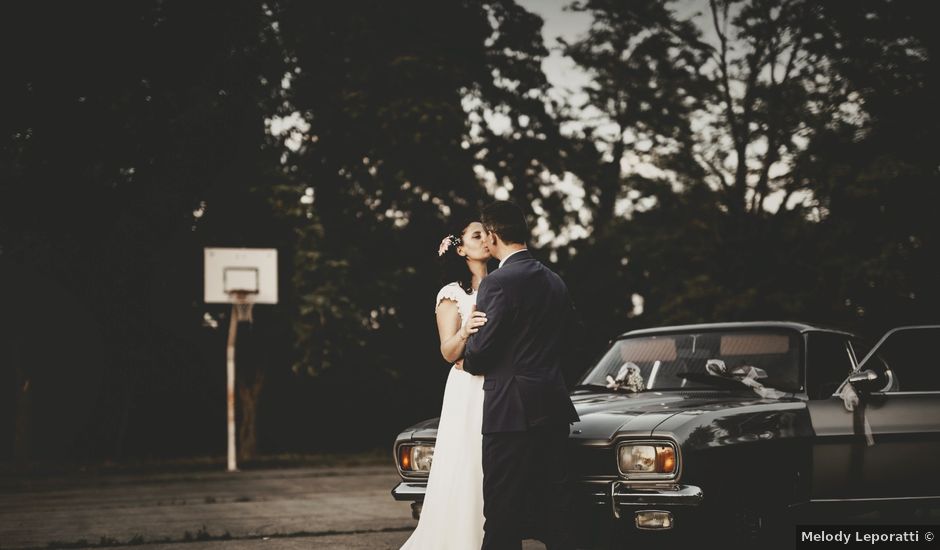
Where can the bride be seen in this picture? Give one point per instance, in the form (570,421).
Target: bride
(452,514)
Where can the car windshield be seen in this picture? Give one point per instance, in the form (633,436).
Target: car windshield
(699,361)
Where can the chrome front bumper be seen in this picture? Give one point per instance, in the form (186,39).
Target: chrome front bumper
(616,494)
(410,490)
(622,494)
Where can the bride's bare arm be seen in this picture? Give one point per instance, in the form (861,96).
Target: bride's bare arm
(453,334)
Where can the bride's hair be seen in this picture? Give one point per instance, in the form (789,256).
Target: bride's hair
(454,266)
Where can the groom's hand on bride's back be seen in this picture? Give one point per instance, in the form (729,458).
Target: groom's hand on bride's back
(476,320)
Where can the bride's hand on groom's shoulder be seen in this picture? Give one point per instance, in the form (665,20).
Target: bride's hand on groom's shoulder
(476,320)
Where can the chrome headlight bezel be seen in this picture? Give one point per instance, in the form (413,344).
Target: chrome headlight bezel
(649,476)
(416,452)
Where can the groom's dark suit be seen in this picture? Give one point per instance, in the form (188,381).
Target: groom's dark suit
(526,408)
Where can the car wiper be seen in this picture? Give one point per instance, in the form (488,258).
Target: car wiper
(602,388)
(710,379)
(724,381)
(592,387)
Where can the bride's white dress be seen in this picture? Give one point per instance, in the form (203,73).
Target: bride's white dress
(452,516)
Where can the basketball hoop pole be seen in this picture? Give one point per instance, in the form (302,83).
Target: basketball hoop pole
(230,388)
(242,303)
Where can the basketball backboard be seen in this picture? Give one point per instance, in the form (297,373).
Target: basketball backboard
(247,270)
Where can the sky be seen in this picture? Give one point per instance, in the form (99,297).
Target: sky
(561,71)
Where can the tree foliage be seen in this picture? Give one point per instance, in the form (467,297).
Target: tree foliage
(132,135)
(790,168)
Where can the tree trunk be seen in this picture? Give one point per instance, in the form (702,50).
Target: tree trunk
(610,188)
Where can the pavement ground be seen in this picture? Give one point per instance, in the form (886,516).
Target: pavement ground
(299,508)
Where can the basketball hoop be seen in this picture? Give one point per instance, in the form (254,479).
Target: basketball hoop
(241,277)
(243,302)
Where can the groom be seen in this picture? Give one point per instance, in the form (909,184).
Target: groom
(526,408)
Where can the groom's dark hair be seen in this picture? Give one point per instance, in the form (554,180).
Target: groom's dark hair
(506,220)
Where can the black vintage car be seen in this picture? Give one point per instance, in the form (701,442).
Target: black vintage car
(741,427)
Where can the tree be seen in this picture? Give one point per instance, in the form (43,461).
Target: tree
(876,179)
(726,193)
(129,128)
(645,87)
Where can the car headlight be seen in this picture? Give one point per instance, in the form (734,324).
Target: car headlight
(647,460)
(415,458)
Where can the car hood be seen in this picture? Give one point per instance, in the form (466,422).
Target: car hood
(679,414)
(699,418)
(422,430)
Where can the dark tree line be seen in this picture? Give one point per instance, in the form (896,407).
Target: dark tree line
(760,159)
(120,122)
(794,103)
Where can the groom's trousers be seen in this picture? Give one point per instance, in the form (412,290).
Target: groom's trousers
(526,493)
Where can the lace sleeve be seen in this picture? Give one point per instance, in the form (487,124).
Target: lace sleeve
(449,292)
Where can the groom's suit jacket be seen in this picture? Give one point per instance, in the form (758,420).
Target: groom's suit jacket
(530,322)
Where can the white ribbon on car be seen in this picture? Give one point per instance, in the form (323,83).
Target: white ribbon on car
(854,405)
(628,378)
(747,375)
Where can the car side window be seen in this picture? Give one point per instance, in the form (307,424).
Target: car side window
(909,358)
(828,363)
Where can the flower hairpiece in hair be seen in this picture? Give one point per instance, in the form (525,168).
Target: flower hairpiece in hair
(446,243)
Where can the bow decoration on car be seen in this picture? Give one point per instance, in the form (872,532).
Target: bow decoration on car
(746,375)
(857,407)
(628,378)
